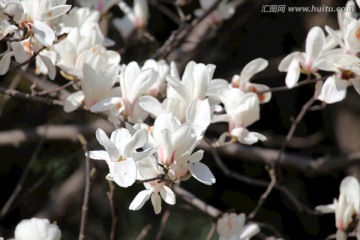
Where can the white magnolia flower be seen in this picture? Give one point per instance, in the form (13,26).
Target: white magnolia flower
(231,226)
(162,68)
(309,61)
(347,73)
(121,154)
(242,81)
(176,143)
(96,86)
(76,48)
(157,189)
(134,82)
(224,11)
(346,208)
(37,229)
(78,17)
(134,19)
(242,110)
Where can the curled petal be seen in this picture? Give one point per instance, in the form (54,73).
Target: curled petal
(202,173)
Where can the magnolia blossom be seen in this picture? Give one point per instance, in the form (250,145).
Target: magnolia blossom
(76,18)
(35,20)
(242,110)
(37,229)
(242,81)
(224,11)
(134,19)
(231,226)
(176,143)
(157,189)
(346,208)
(121,154)
(96,86)
(134,82)
(74,50)
(309,61)
(347,73)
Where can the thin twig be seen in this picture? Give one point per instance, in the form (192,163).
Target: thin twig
(110,195)
(144,232)
(87,188)
(163,222)
(20,184)
(46,92)
(294,125)
(28,97)
(178,36)
(211,231)
(265,195)
(198,203)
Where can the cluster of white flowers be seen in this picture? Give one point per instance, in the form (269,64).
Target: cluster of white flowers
(166,116)
(336,54)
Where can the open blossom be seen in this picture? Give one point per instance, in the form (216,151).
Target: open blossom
(73,51)
(242,81)
(134,83)
(176,144)
(134,19)
(347,73)
(120,154)
(242,110)
(309,61)
(346,208)
(37,229)
(156,190)
(224,11)
(231,226)
(96,86)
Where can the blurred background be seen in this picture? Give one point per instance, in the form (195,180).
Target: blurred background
(54,182)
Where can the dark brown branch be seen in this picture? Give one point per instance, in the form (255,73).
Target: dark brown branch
(87,188)
(198,203)
(110,195)
(28,97)
(52,133)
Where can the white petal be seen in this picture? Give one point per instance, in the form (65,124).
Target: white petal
(107,144)
(351,188)
(285,63)
(74,101)
(264,97)
(196,156)
(156,202)
(99,155)
(105,104)
(151,105)
(49,65)
(5,62)
(333,90)
(198,113)
(43,33)
(315,41)
(179,88)
(293,74)
(136,141)
(140,199)
(330,208)
(249,231)
(252,68)
(167,195)
(55,12)
(142,83)
(124,172)
(202,173)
